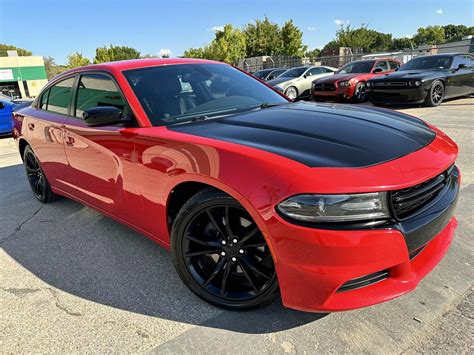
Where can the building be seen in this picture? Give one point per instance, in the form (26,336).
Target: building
(22,77)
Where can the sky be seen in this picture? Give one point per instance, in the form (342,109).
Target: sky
(57,28)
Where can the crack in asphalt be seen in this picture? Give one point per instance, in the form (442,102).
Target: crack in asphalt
(20,226)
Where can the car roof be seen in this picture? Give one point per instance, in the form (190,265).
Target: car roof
(140,63)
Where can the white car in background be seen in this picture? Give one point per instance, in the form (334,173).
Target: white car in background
(296,82)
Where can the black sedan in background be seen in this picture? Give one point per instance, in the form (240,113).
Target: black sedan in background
(428,80)
(269,74)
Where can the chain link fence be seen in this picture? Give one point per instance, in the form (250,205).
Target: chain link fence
(347,55)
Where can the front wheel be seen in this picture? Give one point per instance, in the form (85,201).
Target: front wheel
(360,93)
(220,253)
(38,182)
(435,95)
(291,93)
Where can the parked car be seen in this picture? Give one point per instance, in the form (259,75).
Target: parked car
(428,80)
(333,207)
(268,74)
(7,106)
(296,82)
(349,81)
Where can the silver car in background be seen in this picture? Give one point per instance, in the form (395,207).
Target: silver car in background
(296,82)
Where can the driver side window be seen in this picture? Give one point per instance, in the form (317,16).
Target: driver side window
(313,71)
(98,90)
(382,65)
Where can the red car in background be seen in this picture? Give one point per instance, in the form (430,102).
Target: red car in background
(349,81)
(332,207)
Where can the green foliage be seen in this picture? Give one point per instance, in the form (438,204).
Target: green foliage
(362,37)
(228,45)
(401,43)
(456,32)
(312,53)
(76,60)
(52,69)
(113,53)
(262,38)
(8,47)
(429,35)
(292,40)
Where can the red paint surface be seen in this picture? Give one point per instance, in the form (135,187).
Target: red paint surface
(129,174)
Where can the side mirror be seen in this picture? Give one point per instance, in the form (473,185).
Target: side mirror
(461,66)
(377,70)
(104,116)
(2,105)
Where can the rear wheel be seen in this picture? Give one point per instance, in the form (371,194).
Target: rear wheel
(38,182)
(220,253)
(435,95)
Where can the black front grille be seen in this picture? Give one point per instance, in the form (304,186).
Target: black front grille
(324,87)
(363,281)
(408,201)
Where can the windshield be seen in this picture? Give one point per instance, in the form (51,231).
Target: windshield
(172,94)
(426,63)
(293,73)
(356,67)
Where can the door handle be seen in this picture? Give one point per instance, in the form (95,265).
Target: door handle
(69,140)
(31,126)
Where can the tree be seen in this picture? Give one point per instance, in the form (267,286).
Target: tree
(8,47)
(52,69)
(195,53)
(76,59)
(401,43)
(313,53)
(262,38)
(429,35)
(456,32)
(228,45)
(113,53)
(362,37)
(292,40)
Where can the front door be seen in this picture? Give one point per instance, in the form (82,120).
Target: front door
(101,167)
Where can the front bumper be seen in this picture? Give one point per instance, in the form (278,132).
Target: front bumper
(345,92)
(313,264)
(397,96)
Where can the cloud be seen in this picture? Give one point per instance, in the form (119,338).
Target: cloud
(216,29)
(439,11)
(338,22)
(311,28)
(165,52)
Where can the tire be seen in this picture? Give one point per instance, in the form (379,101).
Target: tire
(360,93)
(37,179)
(435,95)
(234,275)
(291,92)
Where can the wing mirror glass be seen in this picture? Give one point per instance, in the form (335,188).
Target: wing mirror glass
(461,66)
(105,116)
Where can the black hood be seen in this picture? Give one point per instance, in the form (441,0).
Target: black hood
(410,74)
(320,135)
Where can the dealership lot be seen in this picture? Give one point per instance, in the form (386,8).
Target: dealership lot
(74,280)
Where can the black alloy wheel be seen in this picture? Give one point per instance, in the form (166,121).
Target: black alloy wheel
(38,182)
(436,94)
(220,253)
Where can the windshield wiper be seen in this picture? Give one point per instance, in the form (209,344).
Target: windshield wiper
(271,104)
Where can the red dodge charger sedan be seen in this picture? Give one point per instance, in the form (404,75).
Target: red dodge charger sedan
(348,83)
(331,207)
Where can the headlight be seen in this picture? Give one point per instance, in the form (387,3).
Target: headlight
(368,84)
(344,83)
(414,83)
(336,208)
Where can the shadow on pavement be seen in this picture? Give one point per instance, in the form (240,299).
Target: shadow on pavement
(79,251)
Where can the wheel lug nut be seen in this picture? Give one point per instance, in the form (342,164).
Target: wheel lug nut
(234,240)
(223,253)
(223,242)
(234,258)
(241,251)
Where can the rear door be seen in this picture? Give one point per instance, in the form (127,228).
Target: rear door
(42,127)
(101,167)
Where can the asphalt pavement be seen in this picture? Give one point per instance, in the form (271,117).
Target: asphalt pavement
(73,280)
